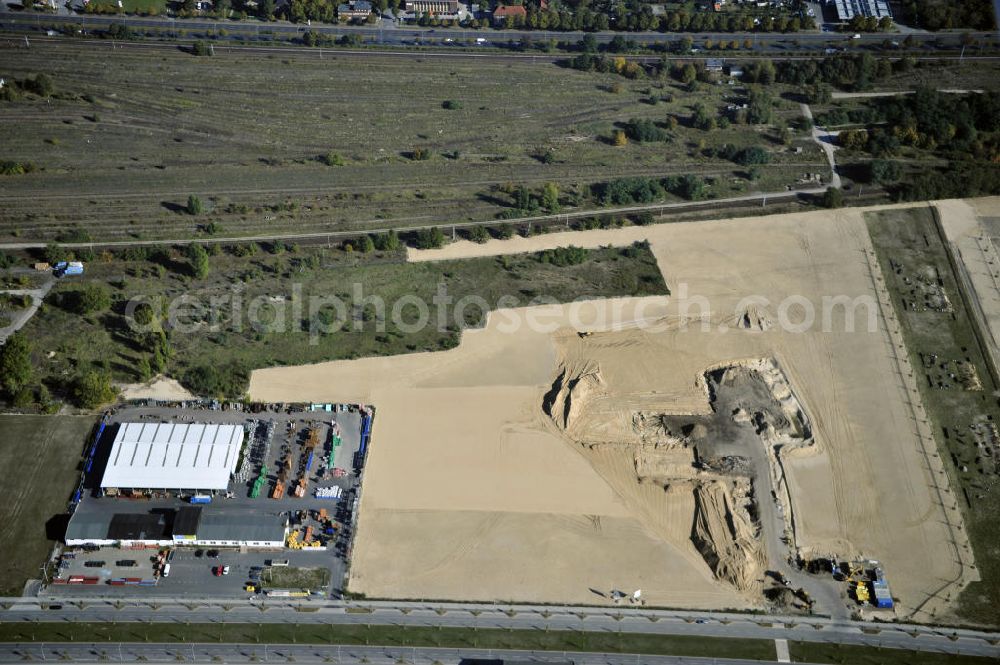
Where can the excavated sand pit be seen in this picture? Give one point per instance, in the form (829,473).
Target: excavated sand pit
(555,466)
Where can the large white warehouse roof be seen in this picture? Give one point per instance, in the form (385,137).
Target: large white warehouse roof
(173,456)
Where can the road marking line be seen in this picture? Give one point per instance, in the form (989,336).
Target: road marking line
(781,647)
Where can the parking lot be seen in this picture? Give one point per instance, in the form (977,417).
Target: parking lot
(192,575)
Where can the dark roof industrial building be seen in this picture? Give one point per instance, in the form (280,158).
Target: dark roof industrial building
(185,525)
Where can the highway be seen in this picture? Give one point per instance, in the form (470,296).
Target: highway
(375,655)
(623,619)
(388,33)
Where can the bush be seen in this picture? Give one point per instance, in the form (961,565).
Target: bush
(193,205)
(564,256)
(387,242)
(452,105)
(884,171)
(688,187)
(94,389)
(751,156)
(16,370)
(199,260)
(833,197)
(332,159)
(16,168)
(90,299)
(623,191)
(645,131)
(478,234)
(429,239)
(40,84)
(214,381)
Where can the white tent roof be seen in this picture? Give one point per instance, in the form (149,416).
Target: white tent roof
(173,456)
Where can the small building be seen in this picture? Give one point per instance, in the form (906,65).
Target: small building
(714,65)
(242,530)
(432,7)
(354,10)
(514,12)
(848,9)
(735,72)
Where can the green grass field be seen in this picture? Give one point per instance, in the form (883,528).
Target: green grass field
(40,457)
(121,147)
(295,578)
(66,343)
(909,238)
(848,654)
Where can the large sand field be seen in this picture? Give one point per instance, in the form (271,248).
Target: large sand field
(522,465)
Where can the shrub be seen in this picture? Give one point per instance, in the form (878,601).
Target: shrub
(193,205)
(94,389)
(387,242)
(16,168)
(479,234)
(217,381)
(90,299)
(429,239)
(332,159)
(645,131)
(451,105)
(564,256)
(16,370)
(199,260)
(833,197)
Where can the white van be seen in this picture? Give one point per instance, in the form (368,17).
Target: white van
(166,570)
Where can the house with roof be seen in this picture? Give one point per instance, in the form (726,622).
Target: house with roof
(435,8)
(354,10)
(515,12)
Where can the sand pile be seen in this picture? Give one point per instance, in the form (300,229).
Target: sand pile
(662,446)
(570,394)
(754,318)
(724,534)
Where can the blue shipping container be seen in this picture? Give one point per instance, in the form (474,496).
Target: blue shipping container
(201,498)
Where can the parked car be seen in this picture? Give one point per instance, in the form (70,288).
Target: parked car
(213,554)
(225,570)
(125,563)
(94,564)
(217,571)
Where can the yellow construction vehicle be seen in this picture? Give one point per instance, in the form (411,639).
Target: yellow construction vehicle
(861,592)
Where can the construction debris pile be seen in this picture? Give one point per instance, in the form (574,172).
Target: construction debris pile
(727,457)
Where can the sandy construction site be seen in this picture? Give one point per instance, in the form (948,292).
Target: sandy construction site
(627,444)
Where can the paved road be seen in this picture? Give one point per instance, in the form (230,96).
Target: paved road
(626,619)
(376,655)
(389,34)
(20,317)
(825,140)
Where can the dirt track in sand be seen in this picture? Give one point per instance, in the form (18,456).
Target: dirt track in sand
(472,492)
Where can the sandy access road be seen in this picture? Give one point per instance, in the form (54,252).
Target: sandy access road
(472,492)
